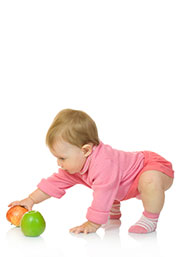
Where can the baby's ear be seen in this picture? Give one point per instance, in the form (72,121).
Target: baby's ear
(87,149)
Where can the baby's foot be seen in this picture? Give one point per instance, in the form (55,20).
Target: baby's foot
(146,224)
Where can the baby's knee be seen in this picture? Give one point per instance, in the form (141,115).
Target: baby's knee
(150,181)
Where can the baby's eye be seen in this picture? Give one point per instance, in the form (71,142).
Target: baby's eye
(62,159)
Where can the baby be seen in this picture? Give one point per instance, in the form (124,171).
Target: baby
(113,175)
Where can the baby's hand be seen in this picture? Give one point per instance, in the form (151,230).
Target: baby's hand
(27,203)
(87,227)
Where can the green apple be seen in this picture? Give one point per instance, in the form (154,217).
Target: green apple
(32,224)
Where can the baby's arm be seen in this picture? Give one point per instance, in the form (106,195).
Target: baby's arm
(35,197)
(38,196)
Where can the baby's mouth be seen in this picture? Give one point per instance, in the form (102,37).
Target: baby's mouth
(63,169)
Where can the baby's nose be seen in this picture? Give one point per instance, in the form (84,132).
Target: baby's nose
(58,162)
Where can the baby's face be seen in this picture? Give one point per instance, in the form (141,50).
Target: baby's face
(69,157)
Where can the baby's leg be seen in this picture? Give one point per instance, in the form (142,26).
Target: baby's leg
(115,210)
(152,186)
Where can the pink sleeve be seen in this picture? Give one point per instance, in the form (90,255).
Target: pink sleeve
(105,187)
(56,184)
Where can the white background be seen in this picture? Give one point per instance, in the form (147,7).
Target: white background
(115,60)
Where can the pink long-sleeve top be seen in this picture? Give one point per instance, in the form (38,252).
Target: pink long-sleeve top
(107,171)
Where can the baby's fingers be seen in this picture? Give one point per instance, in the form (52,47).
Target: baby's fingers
(76,230)
(72,230)
(14,204)
(29,208)
(86,231)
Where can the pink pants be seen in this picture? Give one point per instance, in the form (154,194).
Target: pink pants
(152,161)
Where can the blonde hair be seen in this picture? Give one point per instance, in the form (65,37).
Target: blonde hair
(73,126)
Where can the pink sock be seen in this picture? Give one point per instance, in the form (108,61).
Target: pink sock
(115,210)
(146,224)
